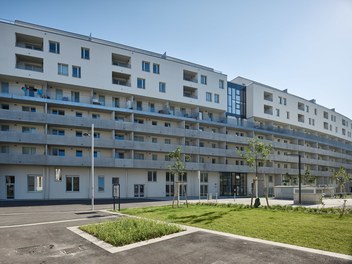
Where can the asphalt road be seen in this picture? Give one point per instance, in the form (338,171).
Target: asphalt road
(39,234)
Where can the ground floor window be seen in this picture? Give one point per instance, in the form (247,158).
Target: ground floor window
(101,183)
(72,183)
(35,183)
(169,187)
(203,183)
(203,190)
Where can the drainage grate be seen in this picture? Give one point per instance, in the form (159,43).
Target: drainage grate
(35,250)
(74,250)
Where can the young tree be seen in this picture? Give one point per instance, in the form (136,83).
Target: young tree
(254,152)
(178,169)
(342,177)
(308,178)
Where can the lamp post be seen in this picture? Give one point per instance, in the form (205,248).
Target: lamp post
(299,177)
(92,164)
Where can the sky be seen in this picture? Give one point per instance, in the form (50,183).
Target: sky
(304,46)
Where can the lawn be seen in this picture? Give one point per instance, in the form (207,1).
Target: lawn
(126,231)
(321,230)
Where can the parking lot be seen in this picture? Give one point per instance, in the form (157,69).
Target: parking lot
(38,234)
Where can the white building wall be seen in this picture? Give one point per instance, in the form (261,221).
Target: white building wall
(97,71)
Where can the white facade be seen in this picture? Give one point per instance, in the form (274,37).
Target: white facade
(55,85)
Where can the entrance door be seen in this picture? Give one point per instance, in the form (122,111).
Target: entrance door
(114,181)
(139,190)
(10,187)
(233,183)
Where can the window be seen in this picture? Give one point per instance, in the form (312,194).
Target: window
(288,115)
(95,116)
(58,175)
(204,177)
(58,152)
(120,137)
(167,141)
(119,155)
(58,112)
(96,134)
(208,97)
(75,96)
(62,69)
(285,101)
(4,149)
(54,47)
(79,114)
(167,124)
(326,115)
(28,150)
(79,153)
(154,140)
(72,184)
(28,109)
(162,87)
(203,79)
(28,129)
(116,102)
(138,156)
(58,132)
(277,112)
(4,87)
(140,83)
(101,183)
(156,68)
(4,128)
(35,183)
(152,176)
(280,100)
(154,157)
(146,66)
(268,96)
(221,84)
(139,106)
(58,94)
(85,53)
(5,106)
(76,71)
(216,98)
(139,138)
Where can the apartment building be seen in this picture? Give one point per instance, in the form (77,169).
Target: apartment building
(55,85)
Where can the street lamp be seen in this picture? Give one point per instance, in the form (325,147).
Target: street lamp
(92,164)
(299,177)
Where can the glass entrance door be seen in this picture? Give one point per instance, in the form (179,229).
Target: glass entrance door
(233,183)
(10,187)
(139,190)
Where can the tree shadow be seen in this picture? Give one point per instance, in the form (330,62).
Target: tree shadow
(205,218)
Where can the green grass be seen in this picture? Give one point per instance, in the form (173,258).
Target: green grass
(126,231)
(324,230)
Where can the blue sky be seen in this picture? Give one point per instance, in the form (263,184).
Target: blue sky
(304,46)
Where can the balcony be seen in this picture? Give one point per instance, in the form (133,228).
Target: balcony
(121,79)
(190,76)
(268,109)
(190,92)
(29,42)
(268,96)
(29,63)
(121,60)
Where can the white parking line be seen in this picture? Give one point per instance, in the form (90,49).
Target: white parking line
(54,222)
